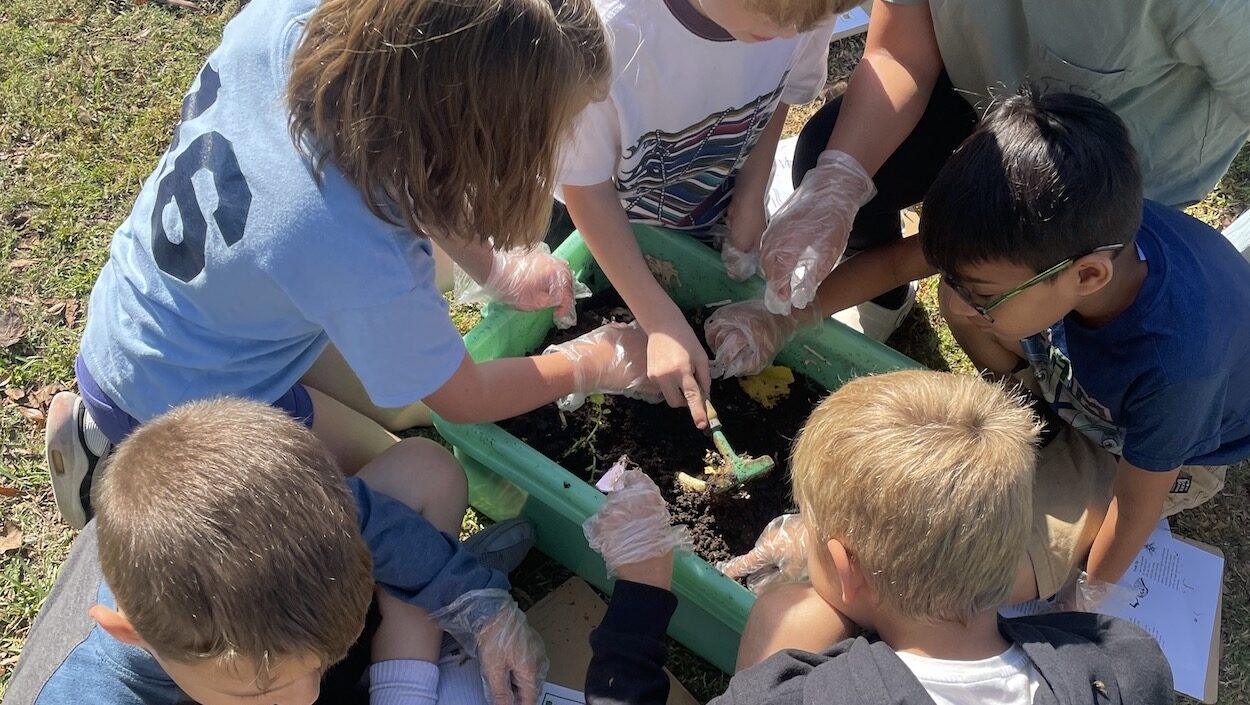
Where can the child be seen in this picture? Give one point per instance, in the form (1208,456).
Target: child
(282,249)
(686,140)
(234,566)
(1132,317)
(915,486)
(931,68)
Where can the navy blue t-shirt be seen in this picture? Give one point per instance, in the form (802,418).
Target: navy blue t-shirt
(1167,382)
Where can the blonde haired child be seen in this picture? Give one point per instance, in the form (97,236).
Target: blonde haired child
(283,249)
(686,140)
(916,488)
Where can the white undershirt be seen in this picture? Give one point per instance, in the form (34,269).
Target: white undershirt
(1006,679)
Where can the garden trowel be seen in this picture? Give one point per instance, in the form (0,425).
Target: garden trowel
(735,469)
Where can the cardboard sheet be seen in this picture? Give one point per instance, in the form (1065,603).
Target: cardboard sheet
(565,619)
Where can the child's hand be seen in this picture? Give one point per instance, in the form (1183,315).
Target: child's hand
(745,337)
(529,280)
(489,625)
(611,359)
(809,232)
(741,250)
(780,554)
(632,531)
(678,365)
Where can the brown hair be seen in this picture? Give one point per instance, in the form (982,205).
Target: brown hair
(448,115)
(927,477)
(226,532)
(802,15)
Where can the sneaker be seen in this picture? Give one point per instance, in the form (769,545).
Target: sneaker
(876,321)
(75,447)
(502,546)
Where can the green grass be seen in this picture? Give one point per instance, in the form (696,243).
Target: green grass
(90,94)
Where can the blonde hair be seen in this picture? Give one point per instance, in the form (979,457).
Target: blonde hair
(448,115)
(227,534)
(927,478)
(802,15)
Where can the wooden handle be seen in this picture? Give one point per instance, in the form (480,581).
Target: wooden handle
(713,421)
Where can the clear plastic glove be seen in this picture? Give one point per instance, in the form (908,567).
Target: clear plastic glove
(780,554)
(1086,594)
(633,524)
(489,625)
(740,251)
(809,232)
(611,359)
(745,337)
(529,280)
(740,265)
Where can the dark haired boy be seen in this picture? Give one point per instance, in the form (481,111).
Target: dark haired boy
(229,563)
(1133,318)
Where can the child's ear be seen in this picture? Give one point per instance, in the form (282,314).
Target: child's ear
(851,578)
(116,624)
(1093,272)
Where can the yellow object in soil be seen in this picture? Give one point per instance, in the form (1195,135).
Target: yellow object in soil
(770,386)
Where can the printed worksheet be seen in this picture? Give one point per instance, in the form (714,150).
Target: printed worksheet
(559,695)
(1173,592)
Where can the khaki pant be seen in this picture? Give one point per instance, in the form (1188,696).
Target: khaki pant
(1071,494)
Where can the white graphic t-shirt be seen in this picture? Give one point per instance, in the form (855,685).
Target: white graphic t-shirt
(687,104)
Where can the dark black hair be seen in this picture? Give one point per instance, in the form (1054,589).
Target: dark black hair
(1044,177)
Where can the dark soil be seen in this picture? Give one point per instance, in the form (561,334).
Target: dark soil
(663,441)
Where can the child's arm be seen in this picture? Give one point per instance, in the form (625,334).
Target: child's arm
(632,532)
(1136,505)
(675,358)
(610,359)
(885,98)
(745,337)
(748,215)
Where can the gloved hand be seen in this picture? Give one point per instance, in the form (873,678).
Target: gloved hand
(633,524)
(611,359)
(1086,594)
(745,337)
(529,280)
(780,554)
(489,625)
(809,232)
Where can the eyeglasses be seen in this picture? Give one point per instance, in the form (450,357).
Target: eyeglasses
(985,308)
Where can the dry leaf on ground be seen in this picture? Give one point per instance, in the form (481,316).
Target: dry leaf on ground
(11,538)
(11,327)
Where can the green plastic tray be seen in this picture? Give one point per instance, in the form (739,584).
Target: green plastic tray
(508,478)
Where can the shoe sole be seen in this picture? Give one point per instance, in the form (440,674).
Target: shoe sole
(67,459)
(502,546)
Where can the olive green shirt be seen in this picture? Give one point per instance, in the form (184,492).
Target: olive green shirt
(1176,71)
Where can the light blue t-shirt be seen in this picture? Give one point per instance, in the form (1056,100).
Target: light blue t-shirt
(236,267)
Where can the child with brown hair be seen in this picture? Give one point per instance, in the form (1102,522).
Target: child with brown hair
(916,488)
(230,563)
(283,248)
(686,140)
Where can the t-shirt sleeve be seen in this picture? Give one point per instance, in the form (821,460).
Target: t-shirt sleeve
(811,64)
(590,157)
(1173,423)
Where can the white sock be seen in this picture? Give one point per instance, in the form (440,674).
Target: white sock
(97,442)
(403,682)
